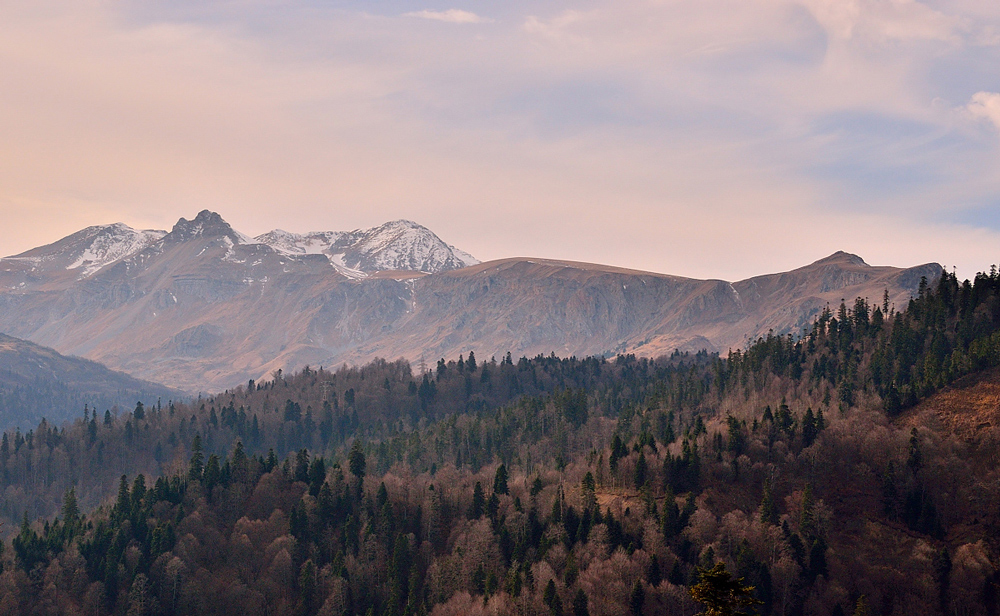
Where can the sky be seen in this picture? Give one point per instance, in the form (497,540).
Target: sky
(709,138)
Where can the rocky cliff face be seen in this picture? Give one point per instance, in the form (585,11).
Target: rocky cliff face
(205,307)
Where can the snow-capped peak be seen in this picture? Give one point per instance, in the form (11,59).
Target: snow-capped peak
(395,245)
(110,243)
(403,245)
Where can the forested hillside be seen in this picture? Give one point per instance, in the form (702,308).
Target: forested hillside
(37,382)
(536,486)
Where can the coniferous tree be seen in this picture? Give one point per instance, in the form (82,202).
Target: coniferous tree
(356,464)
(500,480)
(768,512)
(196,465)
(478,505)
(637,598)
(580,604)
(721,594)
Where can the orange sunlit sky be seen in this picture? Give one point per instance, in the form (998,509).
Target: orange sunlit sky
(718,138)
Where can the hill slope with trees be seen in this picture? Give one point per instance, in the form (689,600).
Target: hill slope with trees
(835,473)
(36,382)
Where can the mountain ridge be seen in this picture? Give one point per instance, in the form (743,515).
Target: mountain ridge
(205,307)
(37,382)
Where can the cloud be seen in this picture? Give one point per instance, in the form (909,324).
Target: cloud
(556,27)
(985,106)
(721,138)
(454,16)
(885,20)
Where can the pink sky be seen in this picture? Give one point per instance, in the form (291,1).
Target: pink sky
(714,139)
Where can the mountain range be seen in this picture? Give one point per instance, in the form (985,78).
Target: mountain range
(204,307)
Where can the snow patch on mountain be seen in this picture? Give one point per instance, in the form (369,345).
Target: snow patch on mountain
(337,260)
(465,258)
(294,244)
(230,255)
(112,243)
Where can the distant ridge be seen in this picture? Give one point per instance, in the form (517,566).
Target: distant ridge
(204,307)
(37,382)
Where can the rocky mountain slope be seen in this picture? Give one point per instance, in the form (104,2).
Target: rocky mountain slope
(205,307)
(37,382)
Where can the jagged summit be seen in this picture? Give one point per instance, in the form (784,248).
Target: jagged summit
(206,224)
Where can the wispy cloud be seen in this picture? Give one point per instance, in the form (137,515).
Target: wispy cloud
(886,20)
(454,16)
(985,106)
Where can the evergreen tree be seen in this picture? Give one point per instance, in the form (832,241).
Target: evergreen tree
(641,471)
(809,428)
(196,466)
(580,604)
(500,481)
(721,594)
(307,586)
(71,511)
(356,464)
(768,511)
(478,505)
(589,489)
(942,575)
(636,599)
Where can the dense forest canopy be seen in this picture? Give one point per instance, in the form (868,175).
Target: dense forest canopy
(535,486)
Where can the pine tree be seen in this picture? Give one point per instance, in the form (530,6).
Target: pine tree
(809,428)
(768,511)
(478,502)
(70,511)
(500,481)
(721,594)
(356,464)
(580,604)
(589,490)
(549,595)
(641,470)
(307,585)
(637,598)
(807,517)
(196,468)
